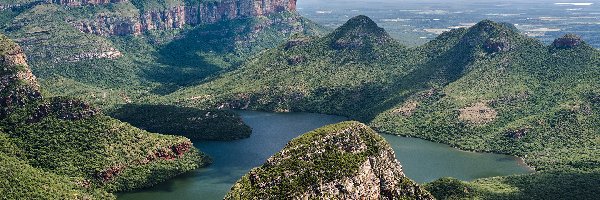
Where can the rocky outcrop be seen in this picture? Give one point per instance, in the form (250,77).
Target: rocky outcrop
(18,85)
(567,41)
(496,45)
(179,16)
(84,2)
(342,161)
(65,109)
(477,114)
(110,53)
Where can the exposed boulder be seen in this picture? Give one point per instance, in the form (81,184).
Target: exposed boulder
(342,161)
(567,41)
(518,133)
(495,45)
(65,109)
(477,114)
(294,60)
(295,42)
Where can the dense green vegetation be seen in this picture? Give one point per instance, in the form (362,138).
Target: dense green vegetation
(60,148)
(21,181)
(189,122)
(322,156)
(548,185)
(486,88)
(152,64)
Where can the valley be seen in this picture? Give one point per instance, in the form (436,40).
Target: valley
(422,161)
(188,98)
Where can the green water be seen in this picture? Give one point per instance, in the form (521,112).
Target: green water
(422,160)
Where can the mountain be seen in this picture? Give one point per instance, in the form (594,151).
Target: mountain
(331,74)
(341,161)
(485,88)
(61,148)
(117,52)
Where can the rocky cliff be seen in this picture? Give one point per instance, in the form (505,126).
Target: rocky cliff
(84,2)
(175,16)
(342,161)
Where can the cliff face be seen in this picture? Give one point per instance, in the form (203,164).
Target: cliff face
(342,161)
(177,16)
(84,2)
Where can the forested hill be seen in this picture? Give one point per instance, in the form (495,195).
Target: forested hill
(61,148)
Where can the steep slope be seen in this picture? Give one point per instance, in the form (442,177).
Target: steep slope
(115,52)
(73,148)
(341,161)
(520,98)
(344,73)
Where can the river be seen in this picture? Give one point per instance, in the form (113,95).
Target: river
(423,161)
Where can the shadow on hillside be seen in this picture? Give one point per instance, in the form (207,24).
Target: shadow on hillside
(555,185)
(202,52)
(193,123)
(443,69)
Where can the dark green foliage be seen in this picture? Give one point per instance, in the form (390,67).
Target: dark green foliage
(18,180)
(549,185)
(450,188)
(189,122)
(333,74)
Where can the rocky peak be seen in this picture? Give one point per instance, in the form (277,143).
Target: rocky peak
(341,161)
(493,37)
(358,32)
(567,41)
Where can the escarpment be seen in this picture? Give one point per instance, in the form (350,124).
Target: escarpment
(174,16)
(341,161)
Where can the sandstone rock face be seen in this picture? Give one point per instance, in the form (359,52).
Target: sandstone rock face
(84,2)
(176,17)
(342,161)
